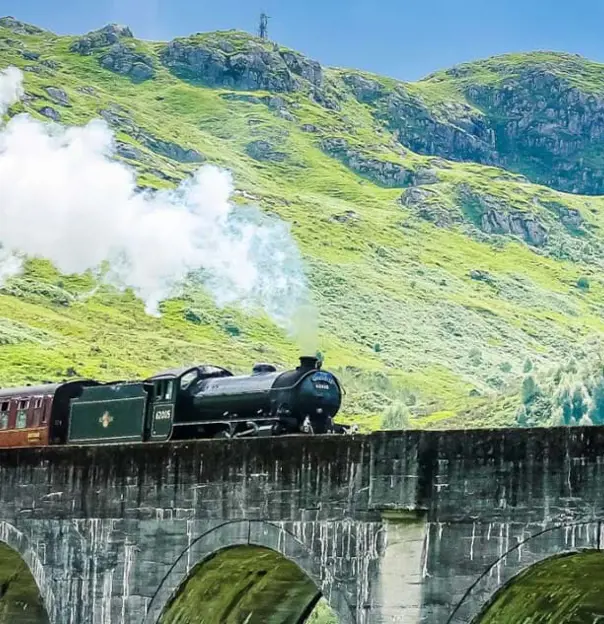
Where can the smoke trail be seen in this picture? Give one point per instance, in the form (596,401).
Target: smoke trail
(64,198)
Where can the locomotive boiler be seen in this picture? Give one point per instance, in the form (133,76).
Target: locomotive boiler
(202,401)
(267,402)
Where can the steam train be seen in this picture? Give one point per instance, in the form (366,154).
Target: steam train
(202,401)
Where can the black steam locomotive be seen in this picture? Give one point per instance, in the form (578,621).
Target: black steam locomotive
(212,402)
(195,402)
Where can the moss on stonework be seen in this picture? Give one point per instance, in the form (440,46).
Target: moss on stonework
(20,599)
(247,584)
(556,591)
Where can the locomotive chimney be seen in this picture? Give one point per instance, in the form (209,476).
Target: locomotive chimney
(309,361)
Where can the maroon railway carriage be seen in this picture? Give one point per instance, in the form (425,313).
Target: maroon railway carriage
(36,415)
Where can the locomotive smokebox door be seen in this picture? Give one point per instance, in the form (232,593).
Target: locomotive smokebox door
(161,407)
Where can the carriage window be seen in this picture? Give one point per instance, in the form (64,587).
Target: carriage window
(38,403)
(22,414)
(4,407)
(45,411)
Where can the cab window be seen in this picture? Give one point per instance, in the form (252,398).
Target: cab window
(188,379)
(164,390)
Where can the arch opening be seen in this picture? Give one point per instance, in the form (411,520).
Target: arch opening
(558,590)
(247,584)
(20,598)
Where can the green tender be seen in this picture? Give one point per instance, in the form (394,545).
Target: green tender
(111,414)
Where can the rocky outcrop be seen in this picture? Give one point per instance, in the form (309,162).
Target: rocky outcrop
(28,55)
(168,149)
(366,90)
(97,39)
(493,216)
(51,113)
(121,56)
(537,119)
(251,67)
(463,134)
(19,28)
(382,172)
(127,151)
(58,95)
(524,225)
(263,150)
(425,204)
(276,104)
(123,59)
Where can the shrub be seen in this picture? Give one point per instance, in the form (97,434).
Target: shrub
(396,416)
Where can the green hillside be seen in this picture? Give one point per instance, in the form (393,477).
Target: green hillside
(451,228)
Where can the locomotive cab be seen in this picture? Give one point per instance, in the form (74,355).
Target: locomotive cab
(172,411)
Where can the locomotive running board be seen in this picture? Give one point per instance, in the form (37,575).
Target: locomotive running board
(223,422)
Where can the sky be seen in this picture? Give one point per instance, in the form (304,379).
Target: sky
(405,39)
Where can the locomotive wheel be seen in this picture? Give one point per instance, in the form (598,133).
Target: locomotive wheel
(222,434)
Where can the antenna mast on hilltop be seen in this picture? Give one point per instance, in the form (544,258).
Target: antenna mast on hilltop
(263,29)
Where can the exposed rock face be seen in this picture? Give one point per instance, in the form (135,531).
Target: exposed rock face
(29,55)
(263,150)
(106,36)
(121,57)
(463,136)
(252,68)
(20,28)
(424,203)
(125,150)
(525,226)
(365,90)
(276,104)
(533,120)
(58,95)
(168,149)
(492,216)
(51,113)
(382,172)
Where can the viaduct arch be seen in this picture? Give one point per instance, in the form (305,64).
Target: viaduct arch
(24,593)
(246,568)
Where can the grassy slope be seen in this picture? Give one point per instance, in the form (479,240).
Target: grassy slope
(393,291)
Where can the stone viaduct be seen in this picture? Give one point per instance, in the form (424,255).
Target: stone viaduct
(402,527)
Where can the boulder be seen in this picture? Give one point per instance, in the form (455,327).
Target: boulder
(58,95)
(30,56)
(51,113)
(125,150)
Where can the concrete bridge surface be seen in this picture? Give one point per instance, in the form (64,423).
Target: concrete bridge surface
(406,527)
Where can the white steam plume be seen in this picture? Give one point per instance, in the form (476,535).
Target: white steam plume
(63,197)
